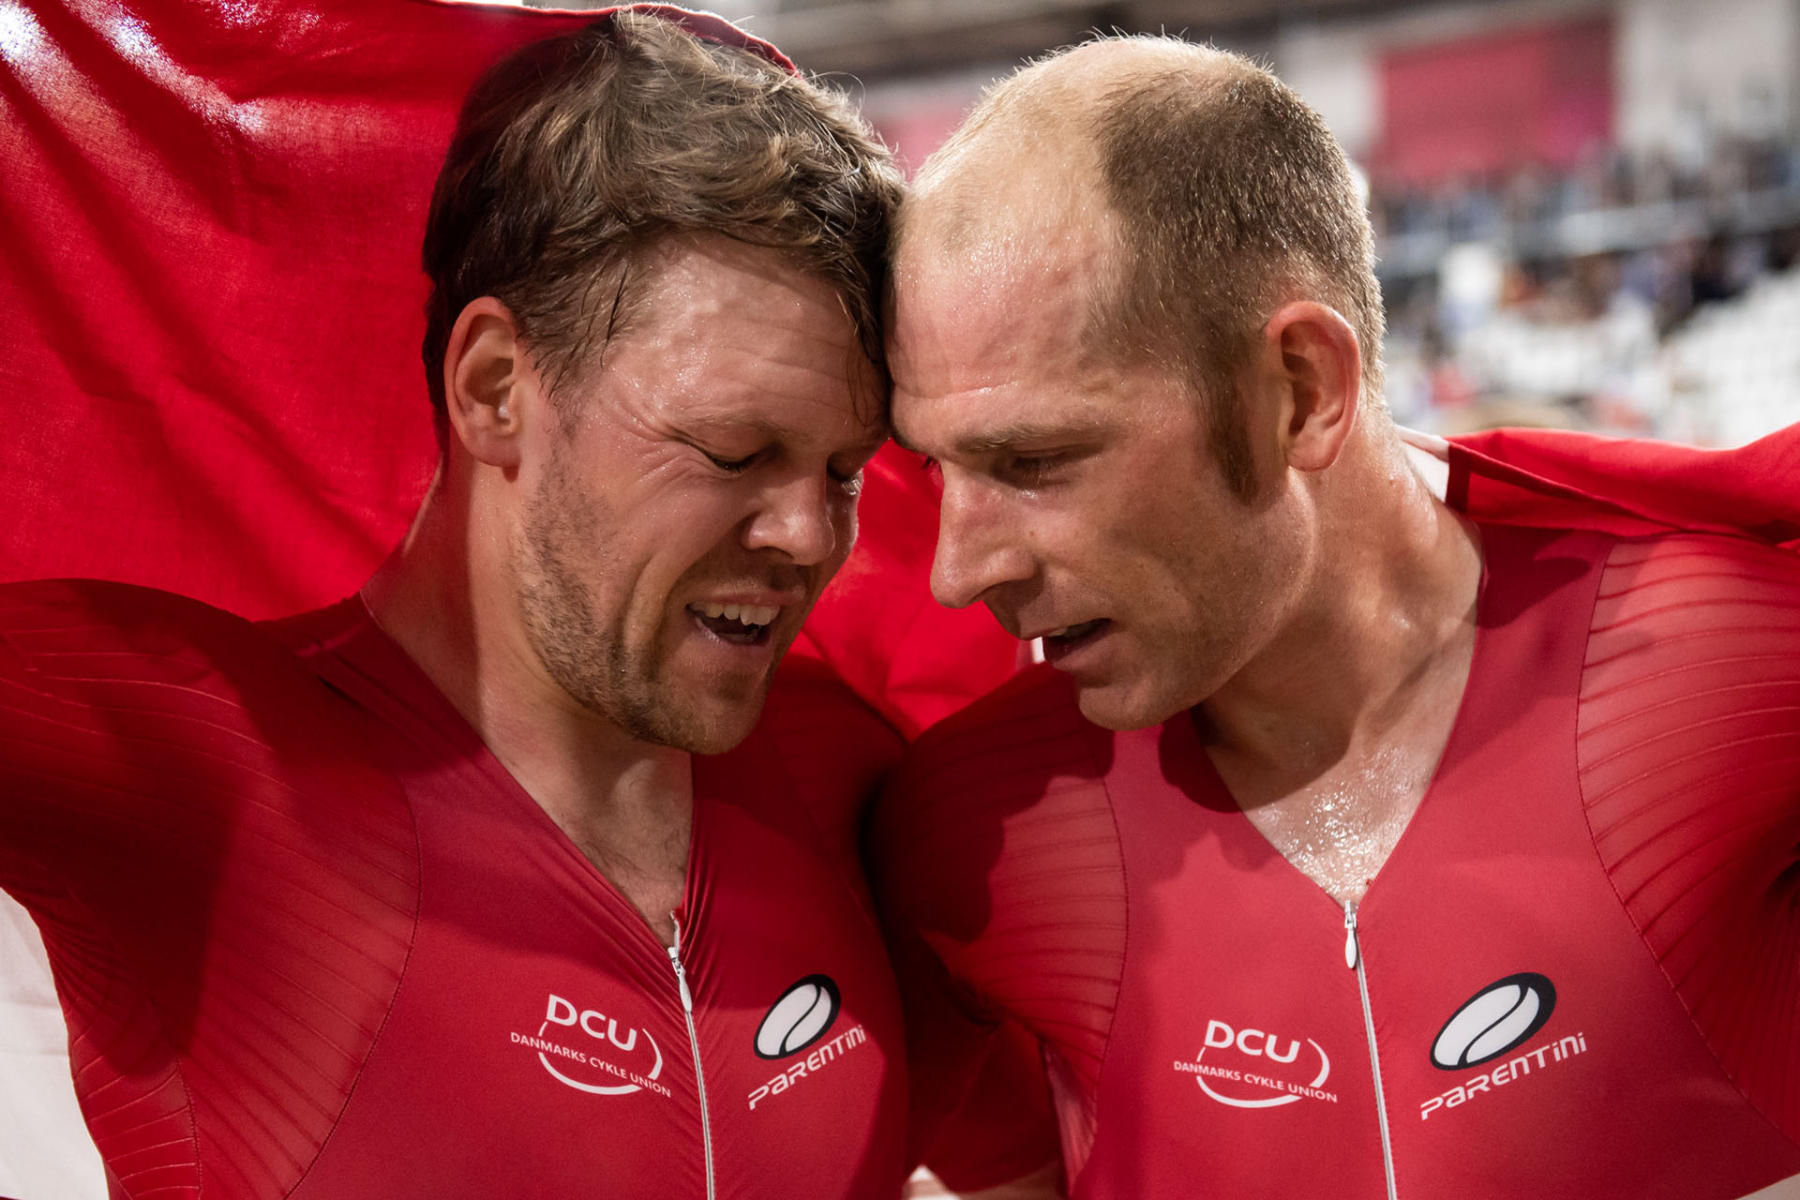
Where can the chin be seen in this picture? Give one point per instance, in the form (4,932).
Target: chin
(719,725)
(717,739)
(1122,709)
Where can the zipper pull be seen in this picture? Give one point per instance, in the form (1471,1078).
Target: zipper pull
(687,998)
(1352,952)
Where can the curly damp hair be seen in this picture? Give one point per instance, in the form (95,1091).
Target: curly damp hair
(576,154)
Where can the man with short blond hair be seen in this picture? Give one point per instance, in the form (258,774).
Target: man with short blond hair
(1344,845)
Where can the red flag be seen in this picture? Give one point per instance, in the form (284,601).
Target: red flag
(1628,487)
(209,272)
(209,233)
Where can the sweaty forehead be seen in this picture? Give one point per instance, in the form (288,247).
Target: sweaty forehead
(1010,300)
(705,298)
(723,332)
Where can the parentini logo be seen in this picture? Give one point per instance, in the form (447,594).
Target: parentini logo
(797,1020)
(1504,1014)
(1495,1023)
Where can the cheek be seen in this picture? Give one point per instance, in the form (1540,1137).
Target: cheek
(698,514)
(1107,541)
(677,537)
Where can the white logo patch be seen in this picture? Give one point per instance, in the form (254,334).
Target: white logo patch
(1494,1020)
(589,1051)
(800,1018)
(1253,1069)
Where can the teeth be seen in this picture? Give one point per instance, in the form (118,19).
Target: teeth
(743,614)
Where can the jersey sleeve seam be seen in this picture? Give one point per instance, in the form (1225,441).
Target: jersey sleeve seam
(400,981)
(1112,1018)
(1606,872)
(162,1027)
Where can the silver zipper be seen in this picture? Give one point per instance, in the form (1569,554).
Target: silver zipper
(687,1010)
(1353,960)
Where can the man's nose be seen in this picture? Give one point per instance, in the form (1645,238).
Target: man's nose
(979,547)
(799,516)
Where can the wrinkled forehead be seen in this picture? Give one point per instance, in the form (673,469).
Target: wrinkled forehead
(724,332)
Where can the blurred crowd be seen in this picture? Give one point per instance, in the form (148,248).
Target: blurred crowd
(1653,294)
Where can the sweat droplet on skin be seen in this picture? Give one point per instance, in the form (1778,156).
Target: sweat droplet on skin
(1341,834)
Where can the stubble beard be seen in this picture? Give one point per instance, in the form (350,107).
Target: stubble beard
(592,664)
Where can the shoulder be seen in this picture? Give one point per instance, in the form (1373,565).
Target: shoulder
(1011,778)
(210,849)
(70,635)
(146,693)
(1689,716)
(1692,603)
(1688,736)
(1028,728)
(1692,664)
(148,739)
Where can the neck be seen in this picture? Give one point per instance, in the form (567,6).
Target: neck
(1385,621)
(446,597)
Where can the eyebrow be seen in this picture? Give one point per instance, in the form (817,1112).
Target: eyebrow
(725,421)
(1005,437)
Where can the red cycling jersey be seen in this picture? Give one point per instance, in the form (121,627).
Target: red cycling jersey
(312,940)
(1574,977)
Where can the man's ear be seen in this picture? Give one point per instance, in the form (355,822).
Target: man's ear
(1318,365)
(490,383)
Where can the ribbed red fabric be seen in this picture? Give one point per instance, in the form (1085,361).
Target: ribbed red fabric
(1690,770)
(227,887)
(998,853)
(1611,841)
(313,941)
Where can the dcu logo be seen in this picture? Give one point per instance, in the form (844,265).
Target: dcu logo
(587,1050)
(1248,1068)
(1500,1016)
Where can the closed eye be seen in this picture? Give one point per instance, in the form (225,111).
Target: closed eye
(732,465)
(1034,470)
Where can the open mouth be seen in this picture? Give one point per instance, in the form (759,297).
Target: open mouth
(1070,638)
(739,624)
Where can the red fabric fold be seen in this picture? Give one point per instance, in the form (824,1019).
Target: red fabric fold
(209,275)
(1570,480)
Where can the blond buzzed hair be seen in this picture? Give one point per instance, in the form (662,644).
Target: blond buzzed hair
(1230,196)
